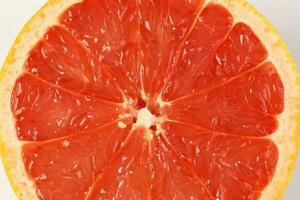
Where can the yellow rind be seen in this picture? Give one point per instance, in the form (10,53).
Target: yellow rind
(4,152)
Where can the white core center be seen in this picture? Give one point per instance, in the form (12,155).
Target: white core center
(145,118)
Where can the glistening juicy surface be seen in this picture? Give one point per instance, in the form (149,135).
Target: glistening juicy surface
(206,80)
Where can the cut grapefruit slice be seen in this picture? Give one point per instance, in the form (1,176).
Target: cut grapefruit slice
(150,99)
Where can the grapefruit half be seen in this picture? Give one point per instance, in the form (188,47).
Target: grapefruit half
(149,99)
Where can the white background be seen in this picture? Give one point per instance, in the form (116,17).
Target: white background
(284,14)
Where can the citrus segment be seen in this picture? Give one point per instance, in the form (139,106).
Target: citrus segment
(245,105)
(111,37)
(130,168)
(45,111)
(163,27)
(67,167)
(214,56)
(175,176)
(249,163)
(61,60)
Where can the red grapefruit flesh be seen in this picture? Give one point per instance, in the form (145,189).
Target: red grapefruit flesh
(205,80)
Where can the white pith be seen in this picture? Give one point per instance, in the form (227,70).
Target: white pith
(145,118)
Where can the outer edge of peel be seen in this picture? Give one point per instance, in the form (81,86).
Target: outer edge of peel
(40,14)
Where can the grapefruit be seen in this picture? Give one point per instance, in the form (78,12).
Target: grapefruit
(149,99)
